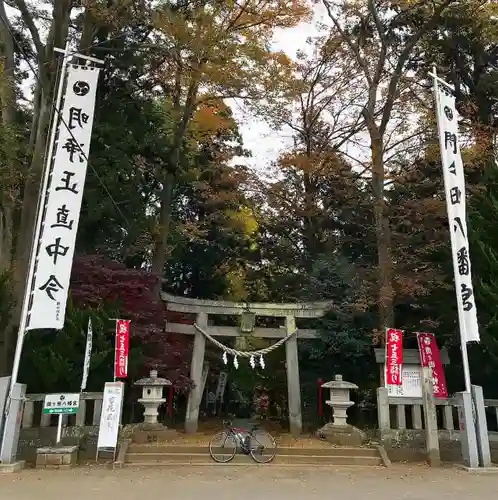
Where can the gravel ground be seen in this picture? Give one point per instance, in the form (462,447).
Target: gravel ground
(248,483)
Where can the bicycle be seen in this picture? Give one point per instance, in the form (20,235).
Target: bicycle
(232,438)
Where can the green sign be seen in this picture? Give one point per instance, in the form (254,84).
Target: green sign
(61,404)
(60,411)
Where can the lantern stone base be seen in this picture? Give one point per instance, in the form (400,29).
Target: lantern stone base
(342,435)
(153,433)
(57,457)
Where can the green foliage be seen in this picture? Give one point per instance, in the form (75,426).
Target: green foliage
(484,252)
(52,361)
(345,344)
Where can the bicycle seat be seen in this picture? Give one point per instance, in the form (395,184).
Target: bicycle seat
(227,423)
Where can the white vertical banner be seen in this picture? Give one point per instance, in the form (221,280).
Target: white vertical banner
(454,185)
(222,383)
(54,258)
(88,355)
(110,418)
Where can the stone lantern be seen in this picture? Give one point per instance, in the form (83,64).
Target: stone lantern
(339,431)
(152,396)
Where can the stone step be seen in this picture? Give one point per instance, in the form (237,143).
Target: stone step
(160,459)
(192,449)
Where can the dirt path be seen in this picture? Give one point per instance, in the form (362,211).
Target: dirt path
(239,483)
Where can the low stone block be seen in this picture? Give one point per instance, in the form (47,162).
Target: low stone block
(344,435)
(56,457)
(154,435)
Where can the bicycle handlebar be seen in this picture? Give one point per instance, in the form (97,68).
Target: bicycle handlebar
(229,424)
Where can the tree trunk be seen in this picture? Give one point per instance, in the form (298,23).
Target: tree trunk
(9,142)
(8,175)
(44,92)
(161,236)
(309,222)
(32,183)
(383,235)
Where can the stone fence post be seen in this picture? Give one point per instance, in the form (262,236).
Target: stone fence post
(430,418)
(383,415)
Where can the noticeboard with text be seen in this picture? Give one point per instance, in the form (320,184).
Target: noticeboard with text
(61,404)
(411,383)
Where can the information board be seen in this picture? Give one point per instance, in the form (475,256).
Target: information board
(411,383)
(61,404)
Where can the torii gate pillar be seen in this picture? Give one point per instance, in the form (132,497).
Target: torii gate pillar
(293,385)
(196,366)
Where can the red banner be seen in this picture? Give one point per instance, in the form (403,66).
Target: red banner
(122,348)
(430,357)
(394,356)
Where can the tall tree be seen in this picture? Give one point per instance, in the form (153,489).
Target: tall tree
(464,47)
(31,34)
(216,50)
(370,35)
(16,241)
(213,231)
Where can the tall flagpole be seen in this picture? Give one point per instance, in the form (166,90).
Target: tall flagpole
(39,219)
(34,243)
(461,322)
(43,196)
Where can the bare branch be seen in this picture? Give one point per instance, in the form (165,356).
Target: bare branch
(403,58)
(353,46)
(35,35)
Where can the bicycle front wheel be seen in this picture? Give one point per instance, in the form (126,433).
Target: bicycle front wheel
(223,447)
(263,447)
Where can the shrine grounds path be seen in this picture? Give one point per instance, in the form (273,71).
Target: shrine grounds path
(248,483)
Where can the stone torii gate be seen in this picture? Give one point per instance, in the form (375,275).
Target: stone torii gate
(202,309)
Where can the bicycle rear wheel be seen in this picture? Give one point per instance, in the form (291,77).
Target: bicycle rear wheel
(262,447)
(223,447)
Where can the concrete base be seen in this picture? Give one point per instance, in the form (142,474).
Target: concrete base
(57,457)
(344,435)
(479,470)
(153,433)
(14,467)
(123,450)
(434,457)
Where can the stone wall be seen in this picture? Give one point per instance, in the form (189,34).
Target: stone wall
(37,437)
(409,445)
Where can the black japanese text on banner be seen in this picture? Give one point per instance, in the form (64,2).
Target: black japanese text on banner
(65,193)
(454,184)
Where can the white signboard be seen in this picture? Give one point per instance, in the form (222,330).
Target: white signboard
(110,419)
(222,383)
(454,185)
(88,355)
(64,196)
(61,404)
(411,383)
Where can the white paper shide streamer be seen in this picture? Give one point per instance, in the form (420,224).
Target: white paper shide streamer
(454,184)
(252,360)
(88,355)
(54,256)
